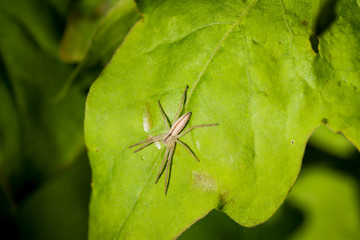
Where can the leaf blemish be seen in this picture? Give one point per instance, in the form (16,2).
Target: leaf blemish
(204,181)
(292,141)
(304,23)
(198,144)
(147,123)
(222,200)
(314,40)
(338,132)
(158,145)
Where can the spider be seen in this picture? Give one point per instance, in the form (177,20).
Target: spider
(171,138)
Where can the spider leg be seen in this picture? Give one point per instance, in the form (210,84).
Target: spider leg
(162,165)
(136,144)
(168,166)
(144,146)
(166,120)
(148,142)
(182,103)
(197,126)
(187,148)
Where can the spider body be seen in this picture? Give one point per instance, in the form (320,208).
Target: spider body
(178,126)
(171,138)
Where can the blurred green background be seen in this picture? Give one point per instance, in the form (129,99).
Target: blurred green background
(50,53)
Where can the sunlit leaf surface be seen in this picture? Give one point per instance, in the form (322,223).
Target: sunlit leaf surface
(251,68)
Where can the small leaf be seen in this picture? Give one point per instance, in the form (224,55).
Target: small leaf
(107,37)
(58,210)
(334,144)
(110,33)
(81,25)
(329,200)
(251,68)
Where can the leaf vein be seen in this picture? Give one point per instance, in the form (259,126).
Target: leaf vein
(182,37)
(137,199)
(226,35)
(223,39)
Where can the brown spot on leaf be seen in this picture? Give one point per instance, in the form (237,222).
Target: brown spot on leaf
(222,200)
(304,23)
(204,181)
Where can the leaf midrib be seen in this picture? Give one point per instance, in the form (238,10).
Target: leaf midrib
(226,35)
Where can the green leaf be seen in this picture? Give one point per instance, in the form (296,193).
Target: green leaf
(50,133)
(329,200)
(42,27)
(9,135)
(107,37)
(110,33)
(328,203)
(62,6)
(9,143)
(218,226)
(252,69)
(59,209)
(81,25)
(335,144)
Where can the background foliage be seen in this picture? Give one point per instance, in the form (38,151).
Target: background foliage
(50,53)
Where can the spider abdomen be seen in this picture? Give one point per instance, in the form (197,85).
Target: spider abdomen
(178,126)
